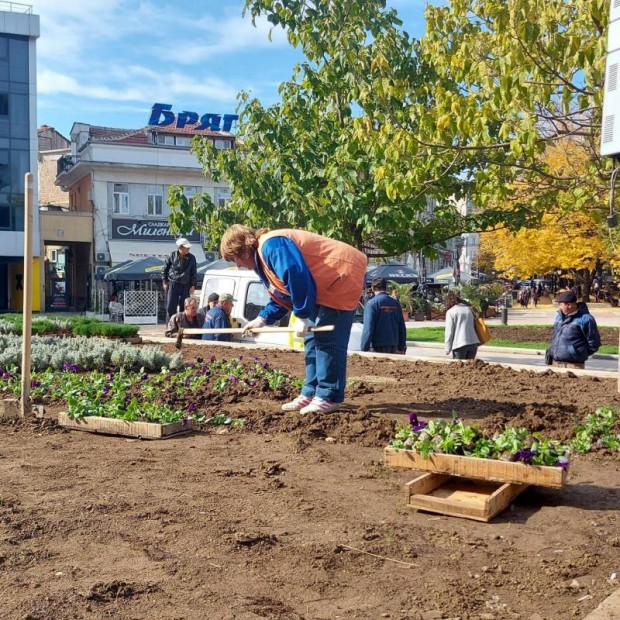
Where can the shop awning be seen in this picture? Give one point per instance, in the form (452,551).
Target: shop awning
(121,251)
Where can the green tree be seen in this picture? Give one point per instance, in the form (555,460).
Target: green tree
(510,78)
(318,159)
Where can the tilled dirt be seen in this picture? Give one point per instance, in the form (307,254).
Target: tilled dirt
(295,517)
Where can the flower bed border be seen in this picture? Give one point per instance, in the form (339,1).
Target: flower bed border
(477,468)
(113,426)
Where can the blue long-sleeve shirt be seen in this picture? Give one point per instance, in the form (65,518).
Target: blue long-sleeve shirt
(285,260)
(384,325)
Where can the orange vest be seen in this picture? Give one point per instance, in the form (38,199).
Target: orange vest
(337,268)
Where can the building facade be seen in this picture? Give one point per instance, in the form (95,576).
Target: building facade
(19,30)
(121,178)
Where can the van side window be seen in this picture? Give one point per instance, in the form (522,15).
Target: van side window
(219,285)
(256,300)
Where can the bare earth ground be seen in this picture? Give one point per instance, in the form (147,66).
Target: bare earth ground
(295,518)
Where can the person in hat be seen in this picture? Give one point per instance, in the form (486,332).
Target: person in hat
(179,277)
(575,333)
(190,317)
(320,280)
(384,325)
(218,317)
(212,301)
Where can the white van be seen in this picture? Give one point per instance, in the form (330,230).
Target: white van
(245,286)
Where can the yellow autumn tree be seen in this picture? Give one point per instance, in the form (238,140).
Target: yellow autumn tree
(572,235)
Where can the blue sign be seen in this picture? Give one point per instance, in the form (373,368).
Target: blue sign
(162,116)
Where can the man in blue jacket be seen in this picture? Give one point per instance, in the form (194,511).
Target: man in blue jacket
(575,333)
(384,326)
(218,317)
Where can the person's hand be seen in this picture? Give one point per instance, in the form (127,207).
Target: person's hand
(301,327)
(191,290)
(165,286)
(259,321)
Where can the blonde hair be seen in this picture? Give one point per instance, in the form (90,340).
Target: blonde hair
(239,240)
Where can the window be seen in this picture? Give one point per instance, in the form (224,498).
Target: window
(167,140)
(155,200)
(183,141)
(222,196)
(257,299)
(222,144)
(4,104)
(121,198)
(191,190)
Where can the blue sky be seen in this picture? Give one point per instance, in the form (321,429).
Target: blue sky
(105,62)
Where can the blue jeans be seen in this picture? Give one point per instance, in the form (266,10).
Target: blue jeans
(326,355)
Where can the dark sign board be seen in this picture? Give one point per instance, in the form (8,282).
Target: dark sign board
(147,230)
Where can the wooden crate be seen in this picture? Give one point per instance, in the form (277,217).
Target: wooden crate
(112,426)
(457,497)
(478,469)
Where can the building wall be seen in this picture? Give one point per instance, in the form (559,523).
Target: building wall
(49,193)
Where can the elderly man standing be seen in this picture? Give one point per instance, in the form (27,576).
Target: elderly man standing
(218,317)
(190,317)
(179,277)
(575,333)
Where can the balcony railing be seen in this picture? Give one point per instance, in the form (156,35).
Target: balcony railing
(16,7)
(66,162)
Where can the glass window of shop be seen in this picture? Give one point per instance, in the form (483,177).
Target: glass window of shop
(14,129)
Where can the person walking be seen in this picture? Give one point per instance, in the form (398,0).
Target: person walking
(190,317)
(384,325)
(321,281)
(575,333)
(179,277)
(218,317)
(460,336)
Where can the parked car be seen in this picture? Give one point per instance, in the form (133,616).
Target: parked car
(245,286)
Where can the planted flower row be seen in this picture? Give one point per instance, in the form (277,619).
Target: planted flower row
(75,326)
(457,438)
(140,396)
(600,430)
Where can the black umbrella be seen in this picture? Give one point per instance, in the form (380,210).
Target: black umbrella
(401,274)
(149,268)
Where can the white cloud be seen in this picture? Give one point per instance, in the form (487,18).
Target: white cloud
(152,86)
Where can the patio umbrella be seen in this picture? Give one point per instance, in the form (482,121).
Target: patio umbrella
(401,274)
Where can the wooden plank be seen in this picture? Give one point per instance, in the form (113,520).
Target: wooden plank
(477,469)
(258,330)
(113,426)
(424,484)
(480,501)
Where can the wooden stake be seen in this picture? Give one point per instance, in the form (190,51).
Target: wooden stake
(27,301)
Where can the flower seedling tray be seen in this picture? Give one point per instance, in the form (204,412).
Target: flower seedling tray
(458,497)
(477,469)
(113,426)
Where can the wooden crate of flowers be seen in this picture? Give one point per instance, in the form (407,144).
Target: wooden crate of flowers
(469,474)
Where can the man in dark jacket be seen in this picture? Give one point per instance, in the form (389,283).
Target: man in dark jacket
(384,326)
(575,333)
(218,317)
(179,277)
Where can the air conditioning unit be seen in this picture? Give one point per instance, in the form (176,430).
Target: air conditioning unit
(102,257)
(99,270)
(90,195)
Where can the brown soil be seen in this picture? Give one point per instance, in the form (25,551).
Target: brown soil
(296,518)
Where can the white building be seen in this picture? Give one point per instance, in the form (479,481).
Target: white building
(123,176)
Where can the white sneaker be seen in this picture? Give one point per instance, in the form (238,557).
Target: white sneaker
(299,403)
(320,405)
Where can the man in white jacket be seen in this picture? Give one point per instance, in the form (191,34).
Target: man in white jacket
(460,337)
